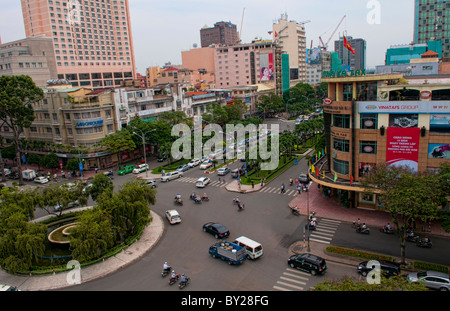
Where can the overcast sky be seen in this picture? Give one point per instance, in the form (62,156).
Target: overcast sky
(162,29)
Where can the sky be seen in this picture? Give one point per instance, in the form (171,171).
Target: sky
(162,29)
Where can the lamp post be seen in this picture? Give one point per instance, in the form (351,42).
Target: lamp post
(145,156)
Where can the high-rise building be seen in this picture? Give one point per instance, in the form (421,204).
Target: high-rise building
(290,36)
(221,33)
(432,23)
(352,61)
(402,54)
(92,40)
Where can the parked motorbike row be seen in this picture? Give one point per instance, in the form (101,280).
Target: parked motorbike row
(175,277)
(410,237)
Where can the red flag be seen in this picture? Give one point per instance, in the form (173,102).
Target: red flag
(348,45)
(351,179)
(317,172)
(276,34)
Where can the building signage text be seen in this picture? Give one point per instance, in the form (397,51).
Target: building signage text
(405,107)
(343,73)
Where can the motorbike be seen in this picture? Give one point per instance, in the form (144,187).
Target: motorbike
(173,280)
(422,243)
(313,217)
(178,201)
(205,198)
(312,226)
(412,238)
(164,273)
(363,230)
(235,201)
(386,230)
(295,211)
(291,182)
(183,284)
(240,206)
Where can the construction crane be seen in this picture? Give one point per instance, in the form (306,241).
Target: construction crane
(325,45)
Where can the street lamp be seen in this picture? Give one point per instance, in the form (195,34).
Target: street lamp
(143,144)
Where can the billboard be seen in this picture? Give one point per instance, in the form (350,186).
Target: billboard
(266,67)
(402,147)
(440,123)
(404,107)
(439,151)
(313,56)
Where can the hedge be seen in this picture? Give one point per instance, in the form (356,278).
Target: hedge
(420,265)
(356,253)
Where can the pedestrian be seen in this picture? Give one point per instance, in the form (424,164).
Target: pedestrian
(253,184)
(220,181)
(299,189)
(96,169)
(265,181)
(262,183)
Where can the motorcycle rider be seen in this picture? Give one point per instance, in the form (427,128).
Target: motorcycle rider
(166,267)
(388,227)
(363,226)
(184,279)
(236,200)
(358,223)
(174,275)
(290,181)
(426,239)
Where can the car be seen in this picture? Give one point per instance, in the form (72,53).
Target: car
(110,174)
(183,168)
(173,216)
(194,162)
(202,182)
(162,158)
(126,169)
(171,175)
(69,205)
(219,231)
(303,178)
(388,268)
(151,183)
(432,279)
(41,180)
(140,168)
(205,165)
(308,262)
(223,171)
(7,171)
(8,288)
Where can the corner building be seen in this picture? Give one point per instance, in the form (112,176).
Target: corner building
(374,119)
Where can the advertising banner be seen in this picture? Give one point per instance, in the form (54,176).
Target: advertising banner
(266,67)
(440,123)
(439,151)
(402,148)
(404,107)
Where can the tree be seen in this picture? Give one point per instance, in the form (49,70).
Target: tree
(216,114)
(235,111)
(100,184)
(49,161)
(73,164)
(269,103)
(175,117)
(408,196)
(17,95)
(33,158)
(119,141)
(20,240)
(57,198)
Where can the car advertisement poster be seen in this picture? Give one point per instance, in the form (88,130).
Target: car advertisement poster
(439,151)
(402,148)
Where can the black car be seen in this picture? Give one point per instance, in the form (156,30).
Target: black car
(218,230)
(308,262)
(389,268)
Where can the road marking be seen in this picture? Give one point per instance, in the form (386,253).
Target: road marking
(296,276)
(282,288)
(290,285)
(291,280)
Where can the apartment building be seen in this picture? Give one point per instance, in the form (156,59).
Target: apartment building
(31,56)
(201,63)
(290,36)
(92,40)
(224,33)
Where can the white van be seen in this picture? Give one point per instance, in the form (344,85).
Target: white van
(253,249)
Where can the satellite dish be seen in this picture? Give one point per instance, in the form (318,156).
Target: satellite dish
(195,45)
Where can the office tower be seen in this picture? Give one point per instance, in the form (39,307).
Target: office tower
(432,23)
(351,61)
(221,33)
(92,40)
(403,54)
(290,36)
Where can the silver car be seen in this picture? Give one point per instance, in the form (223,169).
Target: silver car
(432,279)
(171,175)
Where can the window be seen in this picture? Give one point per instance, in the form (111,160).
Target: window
(368,147)
(340,166)
(347,91)
(369,121)
(341,121)
(341,145)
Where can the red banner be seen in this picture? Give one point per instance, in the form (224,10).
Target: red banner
(402,148)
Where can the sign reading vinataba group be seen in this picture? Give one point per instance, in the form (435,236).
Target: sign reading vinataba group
(402,148)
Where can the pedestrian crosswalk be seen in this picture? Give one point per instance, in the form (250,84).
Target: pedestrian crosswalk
(292,280)
(325,230)
(288,192)
(193,180)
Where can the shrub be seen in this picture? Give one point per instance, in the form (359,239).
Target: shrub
(420,265)
(356,253)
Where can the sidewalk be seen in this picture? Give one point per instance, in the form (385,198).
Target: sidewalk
(327,207)
(151,235)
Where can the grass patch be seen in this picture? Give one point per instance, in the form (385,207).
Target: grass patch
(212,169)
(170,167)
(268,175)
